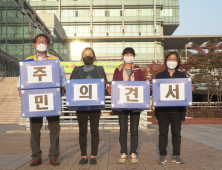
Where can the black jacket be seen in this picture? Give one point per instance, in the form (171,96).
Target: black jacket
(160,110)
(97,73)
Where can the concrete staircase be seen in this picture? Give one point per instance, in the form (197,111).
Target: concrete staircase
(9,102)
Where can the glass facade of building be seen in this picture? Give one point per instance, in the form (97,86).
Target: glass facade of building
(96,23)
(106,26)
(17,32)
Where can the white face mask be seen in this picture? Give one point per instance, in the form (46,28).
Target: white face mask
(128,60)
(171,65)
(41,47)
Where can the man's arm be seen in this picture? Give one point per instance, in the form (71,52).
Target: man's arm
(18,86)
(62,78)
(62,75)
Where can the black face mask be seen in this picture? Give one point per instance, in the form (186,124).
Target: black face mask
(88,60)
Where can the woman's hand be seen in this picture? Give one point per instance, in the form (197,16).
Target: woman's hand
(19,92)
(112,112)
(192,87)
(109,90)
(63,88)
(106,86)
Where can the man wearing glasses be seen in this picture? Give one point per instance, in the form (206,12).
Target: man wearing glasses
(41,43)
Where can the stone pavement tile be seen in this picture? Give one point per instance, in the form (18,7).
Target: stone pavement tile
(38,168)
(217,168)
(195,155)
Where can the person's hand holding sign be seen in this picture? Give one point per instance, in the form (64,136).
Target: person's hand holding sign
(109,90)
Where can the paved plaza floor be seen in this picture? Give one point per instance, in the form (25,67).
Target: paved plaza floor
(201,149)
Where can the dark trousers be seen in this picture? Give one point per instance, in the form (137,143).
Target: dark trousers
(175,121)
(123,123)
(82,118)
(54,127)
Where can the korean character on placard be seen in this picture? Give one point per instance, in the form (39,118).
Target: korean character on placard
(41,102)
(174,91)
(171,92)
(131,94)
(86,91)
(39,72)
(41,99)
(134,92)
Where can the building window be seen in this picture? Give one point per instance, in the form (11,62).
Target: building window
(15,30)
(16,14)
(76,13)
(138,12)
(107,13)
(1,31)
(43,11)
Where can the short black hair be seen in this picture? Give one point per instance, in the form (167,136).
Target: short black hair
(42,35)
(178,58)
(128,50)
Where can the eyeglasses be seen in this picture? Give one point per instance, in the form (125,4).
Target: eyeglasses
(43,42)
(171,59)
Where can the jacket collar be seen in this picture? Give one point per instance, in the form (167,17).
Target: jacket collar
(134,67)
(165,72)
(47,55)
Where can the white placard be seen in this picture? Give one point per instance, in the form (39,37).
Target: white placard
(41,102)
(85,92)
(172,91)
(131,94)
(39,74)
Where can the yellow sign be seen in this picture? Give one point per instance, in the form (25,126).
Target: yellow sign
(109,67)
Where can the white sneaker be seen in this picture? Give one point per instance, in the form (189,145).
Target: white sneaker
(133,159)
(123,159)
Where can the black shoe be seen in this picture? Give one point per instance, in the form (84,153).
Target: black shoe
(93,161)
(83,161)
